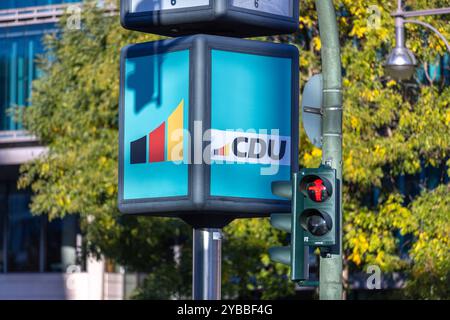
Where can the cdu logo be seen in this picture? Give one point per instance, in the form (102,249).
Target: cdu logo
(164,143)
(250,147)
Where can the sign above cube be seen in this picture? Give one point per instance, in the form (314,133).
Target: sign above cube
(237,18)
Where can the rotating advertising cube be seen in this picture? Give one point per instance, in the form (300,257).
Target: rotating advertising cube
(207,123)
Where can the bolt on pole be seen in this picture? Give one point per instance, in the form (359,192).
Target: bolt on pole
(330,277)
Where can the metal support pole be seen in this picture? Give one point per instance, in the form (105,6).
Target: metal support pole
(207,260)
(429,26)
(399,32)
(330,280)
(400,23)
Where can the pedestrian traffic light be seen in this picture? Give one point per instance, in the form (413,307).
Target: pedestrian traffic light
(313,220)
(296,255)
(318,206)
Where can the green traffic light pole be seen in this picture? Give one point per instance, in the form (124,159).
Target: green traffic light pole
(330,276)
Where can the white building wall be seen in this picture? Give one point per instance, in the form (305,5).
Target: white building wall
(91,285)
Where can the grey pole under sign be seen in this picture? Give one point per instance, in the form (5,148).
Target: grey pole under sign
(207,257)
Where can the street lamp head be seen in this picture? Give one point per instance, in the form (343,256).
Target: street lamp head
(400,64)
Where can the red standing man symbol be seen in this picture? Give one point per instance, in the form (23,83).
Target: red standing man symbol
(317,191)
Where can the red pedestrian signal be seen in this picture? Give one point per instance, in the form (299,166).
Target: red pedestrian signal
(316,188)
(317,191)
(317,206)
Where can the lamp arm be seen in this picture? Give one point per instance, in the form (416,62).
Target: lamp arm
(429,26)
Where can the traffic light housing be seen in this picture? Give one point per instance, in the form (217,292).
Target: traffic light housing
(313,221)
(297,254)
(317,212)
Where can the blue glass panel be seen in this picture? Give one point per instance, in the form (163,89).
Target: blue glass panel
(12,4)
(23,235)
(446,68)
(18,52)
(435,71)
(53,248)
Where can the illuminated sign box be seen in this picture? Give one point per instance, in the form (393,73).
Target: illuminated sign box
(237,18)
(206,124)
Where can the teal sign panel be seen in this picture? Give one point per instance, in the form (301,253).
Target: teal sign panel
(156,105)
(252,94)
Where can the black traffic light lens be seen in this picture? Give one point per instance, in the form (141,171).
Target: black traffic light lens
(316,222)
(317,226)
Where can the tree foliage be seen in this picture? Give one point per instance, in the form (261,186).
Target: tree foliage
(390,130)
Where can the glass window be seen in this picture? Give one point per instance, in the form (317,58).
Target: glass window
(17,70)
(61,244)
(19,48)
(23,234)
(53,248)
(30,243)
(11,4)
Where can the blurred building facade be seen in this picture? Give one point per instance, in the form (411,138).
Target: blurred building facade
(38,259)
